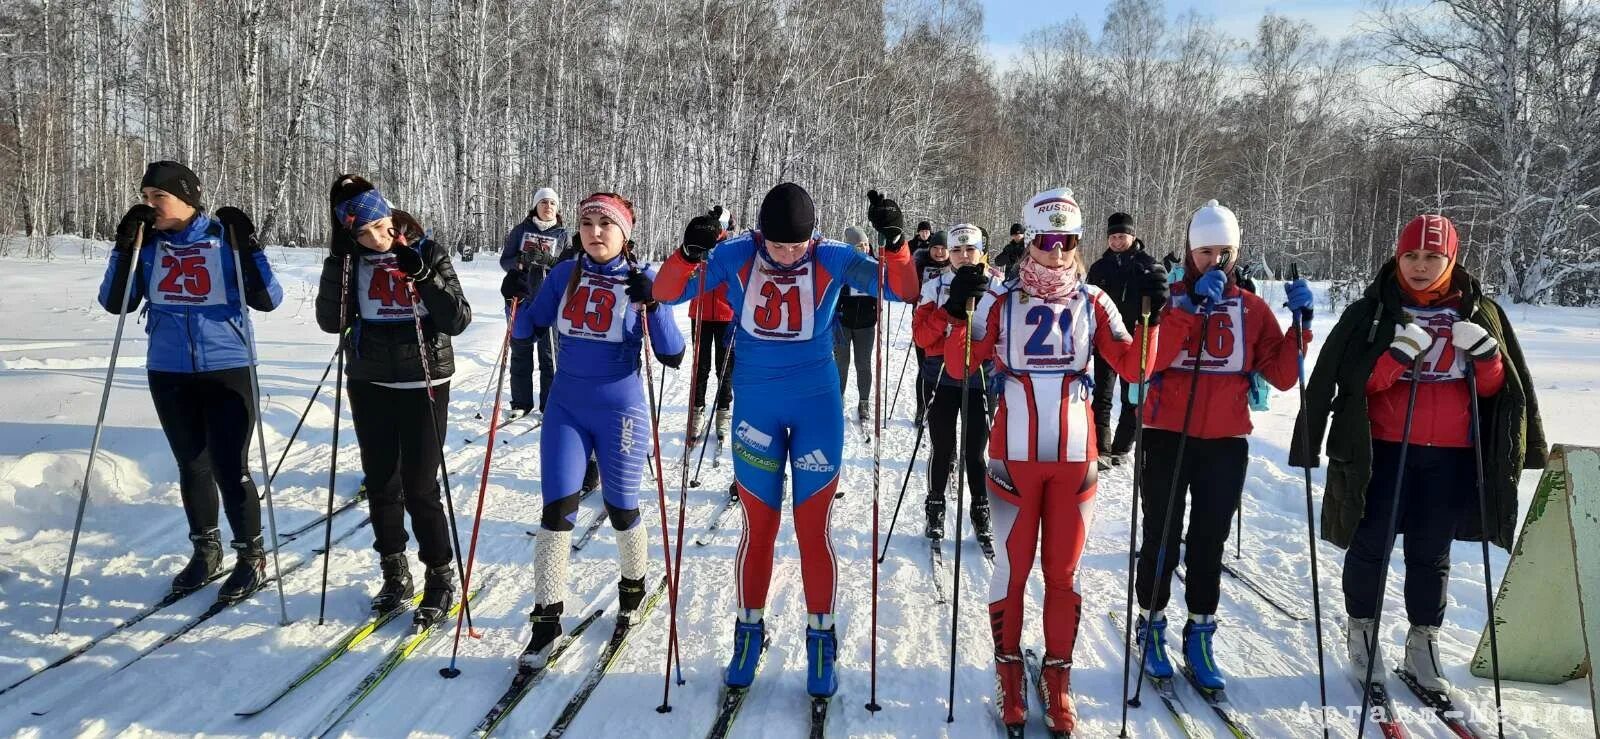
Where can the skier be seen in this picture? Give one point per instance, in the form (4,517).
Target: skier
(713,319)
(855,333)
(1010,257)
(953,397)
(1242,336)
(531,249)
(1422,305)
(1118,272)
(931,261)
(399,277)
(786,281)
(197,363)
(600,303)
(922,238)
(1038,329)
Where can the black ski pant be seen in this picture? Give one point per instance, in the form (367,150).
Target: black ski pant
(715,342)
(1438,488)
(950,403)
(400,457)
(1212,474)
(927,380)
(209,418)
(859,343)
(521,370)
(1105,385)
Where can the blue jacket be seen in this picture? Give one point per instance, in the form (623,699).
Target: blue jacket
(592,359)
(187,279)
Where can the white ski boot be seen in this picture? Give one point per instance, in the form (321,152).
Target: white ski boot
(1422,659)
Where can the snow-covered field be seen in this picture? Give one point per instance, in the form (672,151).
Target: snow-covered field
(54,350)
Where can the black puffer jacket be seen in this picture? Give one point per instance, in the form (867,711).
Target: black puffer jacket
(1118,274)
(387,352)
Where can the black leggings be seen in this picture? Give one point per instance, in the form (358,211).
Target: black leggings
(714,335)
(208,419)
(1440,487)
(944,423)
(400,459)
(1213,475)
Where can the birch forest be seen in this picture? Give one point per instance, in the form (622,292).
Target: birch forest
(1486,110)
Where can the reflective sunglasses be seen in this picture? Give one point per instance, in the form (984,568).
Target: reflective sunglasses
(1053,241)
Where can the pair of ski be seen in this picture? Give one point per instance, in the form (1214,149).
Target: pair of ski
(589,527)
(1441,704)
(731,699)
(1035,671)
(511,418)
(1270,596)
(718,519)
(1167,690)
(527,678)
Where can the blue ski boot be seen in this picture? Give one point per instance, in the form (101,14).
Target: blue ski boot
(1197,654)
(1151,636)
(822,647)
(748,639)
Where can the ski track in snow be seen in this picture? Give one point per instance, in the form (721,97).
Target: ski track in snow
(134,540)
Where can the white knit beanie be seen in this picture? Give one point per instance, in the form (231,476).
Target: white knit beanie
(1213,225)
(546,193)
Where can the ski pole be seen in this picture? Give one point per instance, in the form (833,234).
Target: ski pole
(1488,575)
(922,425)
(499,379)
(666,545)
(100,420)
(1394,520)
(1133,513)
(1160,565)
(961,487)
(910,349)
(438,440)
(261,431)
(705,433)
(338,407)
(877,476)
(310,403)
(1311,526)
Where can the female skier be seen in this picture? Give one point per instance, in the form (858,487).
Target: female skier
(531,249)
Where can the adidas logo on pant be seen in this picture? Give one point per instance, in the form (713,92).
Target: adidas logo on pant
(814,462)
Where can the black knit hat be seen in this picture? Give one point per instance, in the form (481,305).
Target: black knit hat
(1017,230)
(787,214)
(174,178)
(924,226)
(1119,223)
(939,238)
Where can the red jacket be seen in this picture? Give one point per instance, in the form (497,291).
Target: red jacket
(1222,406)
(1442,416)
(712,306)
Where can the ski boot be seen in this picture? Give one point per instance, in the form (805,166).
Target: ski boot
(822,648)
(695,413)
(749,639)
(438,594)
(934,527)
(396,588)
(203,564)
(864,412)
(1361,634)
(984,528)
(1422,660)
(1151,636)
(1009,694)
(249,571)
(1198,656)
(630,593)
(546,622)
(1060,716)
(733,493)
(1103,462)
(724,422)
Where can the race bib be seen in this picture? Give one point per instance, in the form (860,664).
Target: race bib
(931,272)
(382,290)
(536,243)
(780,304)
(189,275)
(1223,353)
(1047,338)
(595,310)
(1441,362)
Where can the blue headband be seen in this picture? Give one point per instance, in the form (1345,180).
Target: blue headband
(362,209)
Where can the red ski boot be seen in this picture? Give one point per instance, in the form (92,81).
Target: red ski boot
(1059,715)
(1009,684)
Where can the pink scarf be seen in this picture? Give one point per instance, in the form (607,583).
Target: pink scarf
(1047,284)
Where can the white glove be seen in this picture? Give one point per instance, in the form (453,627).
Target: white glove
(1473,339)
(1410,340)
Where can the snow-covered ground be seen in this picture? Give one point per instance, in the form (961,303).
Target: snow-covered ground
(53,356)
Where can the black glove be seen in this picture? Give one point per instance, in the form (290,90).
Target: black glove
(967,285)
(237,225)
(128,227)
(641,289)
(409,260)
(342,244)
(701,235)
(514,286)
(887,219)
(1153,285)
